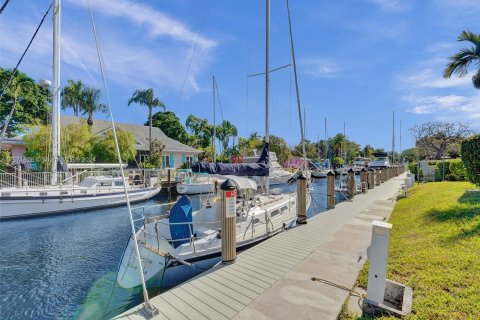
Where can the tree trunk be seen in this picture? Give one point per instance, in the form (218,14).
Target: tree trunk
(90,119)
(4,130)
(150,131)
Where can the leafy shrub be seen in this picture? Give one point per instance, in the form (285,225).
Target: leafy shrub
(439,172)
(5,160)
(470,151)
(454,169)
(412,167)
(457,171)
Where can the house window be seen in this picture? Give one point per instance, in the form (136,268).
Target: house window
(143,157)
(189,159)
(166,162)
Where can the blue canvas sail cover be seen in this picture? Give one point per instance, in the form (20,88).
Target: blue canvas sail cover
(179,221)
(259,168)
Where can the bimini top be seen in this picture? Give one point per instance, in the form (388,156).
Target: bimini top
(242,183)
(259,168)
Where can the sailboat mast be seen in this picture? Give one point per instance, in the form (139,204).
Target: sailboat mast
(296,88)
(393,138)
(326,141)
(400,147)
(267,79)
(214,123)
(56,90)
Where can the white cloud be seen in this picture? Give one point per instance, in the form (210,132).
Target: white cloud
(431,78)
(158,23)
(131,62)
(392,5)
(453,107)
(319,67)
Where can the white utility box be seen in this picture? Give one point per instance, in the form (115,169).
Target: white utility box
(378,256)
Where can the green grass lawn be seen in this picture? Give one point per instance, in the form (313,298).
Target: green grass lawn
(435,249)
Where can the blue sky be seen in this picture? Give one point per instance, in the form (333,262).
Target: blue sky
(357,60)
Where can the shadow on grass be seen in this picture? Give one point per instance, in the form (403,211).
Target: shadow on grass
(455,213)
(470,197)
(460,214)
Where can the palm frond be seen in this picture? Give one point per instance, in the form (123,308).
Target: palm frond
(470,36)
(476,80)
(460,62)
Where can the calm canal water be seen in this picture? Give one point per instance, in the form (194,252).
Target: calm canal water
(64,267)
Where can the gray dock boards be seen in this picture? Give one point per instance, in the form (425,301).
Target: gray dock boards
(223,292)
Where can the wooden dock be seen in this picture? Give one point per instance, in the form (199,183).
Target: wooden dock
(272,279)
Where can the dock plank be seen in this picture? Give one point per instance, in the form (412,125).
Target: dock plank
(197,304)
(226,290)
(248,283)
(253,274)
(258,265)
(218,295)
(168,310)
(220,306)
(247,288)
(183,307)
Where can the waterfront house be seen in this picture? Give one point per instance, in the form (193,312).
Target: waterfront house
(294,162)
(175,153)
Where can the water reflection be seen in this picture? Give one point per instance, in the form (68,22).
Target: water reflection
(65,266)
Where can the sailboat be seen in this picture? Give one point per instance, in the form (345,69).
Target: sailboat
(66,196)
(183,243)
(192,183)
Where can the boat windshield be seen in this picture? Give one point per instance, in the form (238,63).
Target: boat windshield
(88,182)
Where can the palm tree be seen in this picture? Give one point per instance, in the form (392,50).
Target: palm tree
(147,98)
(19,89)
(460,61)
(228,130)
(72,96)
(89,103)
(338,142)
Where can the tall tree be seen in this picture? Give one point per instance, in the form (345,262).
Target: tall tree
(338,144)
(228,130)
(104,149)
(435,137)
(367,151)
(170,124)
(23,103)
(147,98)
(460,61)
(89,103)
(72,96)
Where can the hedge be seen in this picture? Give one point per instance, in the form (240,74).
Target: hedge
(470,151)
(454,169)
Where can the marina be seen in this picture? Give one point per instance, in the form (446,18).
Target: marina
(273,279)
(66,253)
(122,196)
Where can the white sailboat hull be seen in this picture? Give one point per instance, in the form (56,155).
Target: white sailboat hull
(14,206)
(160,260)
(195,188)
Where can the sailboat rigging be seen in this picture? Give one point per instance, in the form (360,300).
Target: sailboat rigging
(184,242)
(63,195)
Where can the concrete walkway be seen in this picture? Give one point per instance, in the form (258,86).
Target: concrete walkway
(273,279)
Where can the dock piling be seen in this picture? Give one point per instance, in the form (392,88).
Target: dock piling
(371,178)
(302,199)
(351,183)
(364,180)
(330,190)
(229,222)
(378,177)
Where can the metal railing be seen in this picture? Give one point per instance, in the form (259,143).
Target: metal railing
(137,177)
